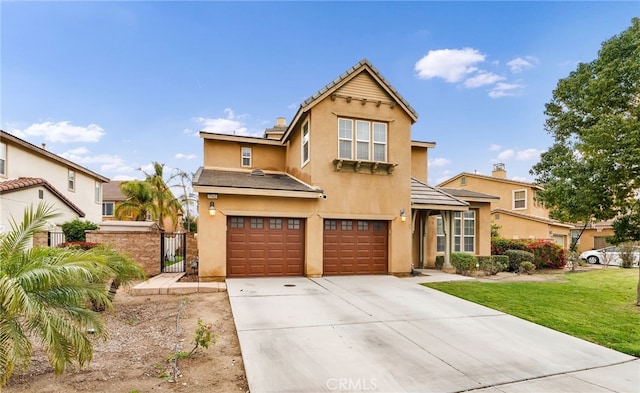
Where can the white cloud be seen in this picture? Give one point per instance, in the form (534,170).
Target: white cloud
(438,162)
(520,178)
(520,64)
(528,154)
(232,124)
(124,178)
(181,156)
(506,90)
(63,132)
(449,64)
(507,154)
(494,147)
(107,162)
(481,79)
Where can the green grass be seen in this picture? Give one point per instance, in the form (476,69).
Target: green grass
(597,306)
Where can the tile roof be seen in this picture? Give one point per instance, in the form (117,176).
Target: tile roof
(423,194)
(531,217)
(111,192)
(493,178)
(347,74)
(461,193)
(236,179)
(23,183)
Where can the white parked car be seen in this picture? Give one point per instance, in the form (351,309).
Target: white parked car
(608,254)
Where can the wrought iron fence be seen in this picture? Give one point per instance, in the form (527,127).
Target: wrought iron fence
(173,252)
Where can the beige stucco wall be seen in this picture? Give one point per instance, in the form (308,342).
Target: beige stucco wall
(228,155)
(503,190)
(512,227)
(24,163)
(349,195)
(587,240)
(419,163)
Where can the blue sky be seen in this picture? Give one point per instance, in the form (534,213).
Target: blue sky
(114,86)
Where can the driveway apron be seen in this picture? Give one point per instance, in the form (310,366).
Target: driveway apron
(388,334)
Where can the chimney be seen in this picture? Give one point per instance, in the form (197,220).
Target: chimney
(44,146)
(499,171)
(278,129)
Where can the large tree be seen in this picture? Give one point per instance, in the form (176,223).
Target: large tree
(592,170)
(44,294)
(139,204)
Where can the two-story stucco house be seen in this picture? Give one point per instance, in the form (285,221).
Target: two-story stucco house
(341,189)
(518,213)
(30,174)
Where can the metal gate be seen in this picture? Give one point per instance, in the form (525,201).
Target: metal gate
(173,252)
(55,238)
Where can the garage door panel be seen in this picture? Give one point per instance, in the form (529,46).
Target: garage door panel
(262,247)
(355,247)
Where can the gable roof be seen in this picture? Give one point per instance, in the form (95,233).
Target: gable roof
(491,178)
(425,196)
(363,65)
(111,192)
(531,217)
(468,194)
(254,182)
(45,153)
(23,183)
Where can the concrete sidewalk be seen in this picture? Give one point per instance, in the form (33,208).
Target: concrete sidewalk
(388,334)
(167,283)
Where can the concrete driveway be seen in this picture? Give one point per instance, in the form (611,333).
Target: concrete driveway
(388,334)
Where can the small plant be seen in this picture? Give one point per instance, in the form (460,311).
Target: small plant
(439,262)
(463,263)
(516,257)
(527,267)
(74,230)
(203,336)
(491,266)
(628,258)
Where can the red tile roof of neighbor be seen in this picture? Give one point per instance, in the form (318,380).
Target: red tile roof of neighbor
(23,183)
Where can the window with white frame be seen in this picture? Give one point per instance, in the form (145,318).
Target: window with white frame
(464,231)
(107,209)
(440,238)
(98,193)
(72,180)
(519,199)
(370,142)
(3,159)
(246,157)
(305,143)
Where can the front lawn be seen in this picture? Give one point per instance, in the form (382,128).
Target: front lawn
(597,306)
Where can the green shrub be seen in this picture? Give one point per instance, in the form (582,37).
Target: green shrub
(628,258)
(503,260)
(547,255)
(74,230)
(439,262)
(463,263)
(527,267)
(491,266)
(516,257)
(499,245)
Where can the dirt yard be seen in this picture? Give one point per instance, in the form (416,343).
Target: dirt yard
(142,336)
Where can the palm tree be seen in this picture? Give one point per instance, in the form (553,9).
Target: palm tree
(167,205)
(187,199)
(44,293)
(139,203)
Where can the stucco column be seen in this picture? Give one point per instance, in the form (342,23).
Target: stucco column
(314,246)
(447,225)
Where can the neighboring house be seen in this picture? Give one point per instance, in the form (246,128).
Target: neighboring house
(19,194)
(113,196)
(78,185)
(340,190)
(518,213)
(593,236)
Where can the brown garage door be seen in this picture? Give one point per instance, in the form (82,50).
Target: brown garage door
(355,247)
(265,246)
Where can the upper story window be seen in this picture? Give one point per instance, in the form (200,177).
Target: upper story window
(107,209)
(72,180)
(370,140)
(98,192)
(3,159)
(305,143)
(519,199)
(246,157)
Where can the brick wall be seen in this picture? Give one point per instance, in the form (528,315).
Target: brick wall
(142,247)
(41,239)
